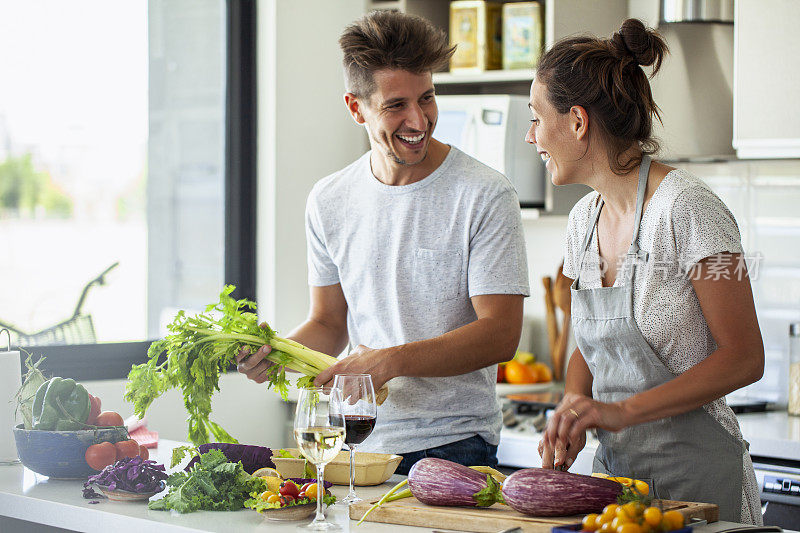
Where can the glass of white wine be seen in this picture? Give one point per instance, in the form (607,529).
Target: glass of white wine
(319,431)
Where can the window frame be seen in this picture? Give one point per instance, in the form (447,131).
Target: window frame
(84,362)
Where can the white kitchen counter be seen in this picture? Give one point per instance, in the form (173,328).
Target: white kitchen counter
(27,496)
(46,504)
(773,434)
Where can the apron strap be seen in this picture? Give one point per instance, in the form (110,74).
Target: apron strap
(644,171)
(586,240)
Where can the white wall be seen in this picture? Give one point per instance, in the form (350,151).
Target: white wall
(248,411)
(305,134)
(544,239)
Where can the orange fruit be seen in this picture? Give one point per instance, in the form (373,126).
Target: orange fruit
(520,374)
(543,373)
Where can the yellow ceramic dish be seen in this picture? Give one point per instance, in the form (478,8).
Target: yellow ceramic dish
(370,468)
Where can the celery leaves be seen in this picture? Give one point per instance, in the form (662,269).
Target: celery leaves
(199,348)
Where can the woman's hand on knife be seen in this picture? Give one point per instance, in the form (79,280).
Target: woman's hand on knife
(565,434)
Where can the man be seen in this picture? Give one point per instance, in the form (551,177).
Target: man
(416,257)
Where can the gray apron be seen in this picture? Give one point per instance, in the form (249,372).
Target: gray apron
(688,457)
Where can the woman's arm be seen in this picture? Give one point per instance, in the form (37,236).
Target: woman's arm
(726,300)
(554,451)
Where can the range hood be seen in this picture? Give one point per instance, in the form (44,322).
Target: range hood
(696,11)
(694,87)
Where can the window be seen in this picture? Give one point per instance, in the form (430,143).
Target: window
(127,168)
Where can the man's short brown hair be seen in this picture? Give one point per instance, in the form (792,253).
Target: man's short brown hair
(390,40)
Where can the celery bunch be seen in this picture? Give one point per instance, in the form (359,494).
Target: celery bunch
(201,347)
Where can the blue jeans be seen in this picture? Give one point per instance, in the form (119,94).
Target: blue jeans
(473,451)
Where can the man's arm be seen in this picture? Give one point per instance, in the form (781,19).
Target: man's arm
(325,330)
(491,339)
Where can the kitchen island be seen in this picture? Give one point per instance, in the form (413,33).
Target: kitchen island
(33,503)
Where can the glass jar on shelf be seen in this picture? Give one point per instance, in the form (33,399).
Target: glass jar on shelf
(794,369)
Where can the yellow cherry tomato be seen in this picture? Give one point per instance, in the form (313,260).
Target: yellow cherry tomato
(646,528)
(266,494)
(611,508)
(652,516)
(589,522)
(607,528)
(674,519)
(629,527)
(630,510)
(274,499)
(605,517)
(619,520)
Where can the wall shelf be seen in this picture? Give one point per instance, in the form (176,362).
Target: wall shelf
(486,76)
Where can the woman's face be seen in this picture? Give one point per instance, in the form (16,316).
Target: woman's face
(553,133)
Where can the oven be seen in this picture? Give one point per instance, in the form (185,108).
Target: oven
(779,480)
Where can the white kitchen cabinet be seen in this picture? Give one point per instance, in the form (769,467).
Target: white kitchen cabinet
(562,18)
(766,121)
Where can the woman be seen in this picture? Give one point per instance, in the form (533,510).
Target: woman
(662,307)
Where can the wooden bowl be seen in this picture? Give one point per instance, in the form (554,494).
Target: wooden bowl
(119,495)
(370,468)
(293,512)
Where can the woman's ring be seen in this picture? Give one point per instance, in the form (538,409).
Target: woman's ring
(574,412)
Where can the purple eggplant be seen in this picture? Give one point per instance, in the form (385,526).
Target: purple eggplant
(441,482)
(540,492)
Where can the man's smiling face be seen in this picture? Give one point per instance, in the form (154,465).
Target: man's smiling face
(400,115)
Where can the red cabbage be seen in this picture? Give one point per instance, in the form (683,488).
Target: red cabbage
(300,481)
(132,474)
(251,456)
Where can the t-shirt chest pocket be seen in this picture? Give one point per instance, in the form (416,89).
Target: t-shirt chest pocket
(437,274)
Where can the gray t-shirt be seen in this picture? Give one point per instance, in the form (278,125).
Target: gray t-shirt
(408,259)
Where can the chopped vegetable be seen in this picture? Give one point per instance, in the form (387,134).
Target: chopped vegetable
(61,405)
(201,347)
(257,504)
(213,484)
(130,474)
(27,392)
(388,497)
(251,456)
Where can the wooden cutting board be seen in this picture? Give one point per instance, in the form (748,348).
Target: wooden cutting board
(411,512)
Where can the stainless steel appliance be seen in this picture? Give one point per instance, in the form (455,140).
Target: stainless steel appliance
(780,491)
(491,128)
(697,11)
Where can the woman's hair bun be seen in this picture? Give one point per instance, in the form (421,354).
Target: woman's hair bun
(640,42)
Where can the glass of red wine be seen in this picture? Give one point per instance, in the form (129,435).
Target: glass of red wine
(360,411)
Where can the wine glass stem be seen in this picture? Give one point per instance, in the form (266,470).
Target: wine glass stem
(352,471)
(320,493)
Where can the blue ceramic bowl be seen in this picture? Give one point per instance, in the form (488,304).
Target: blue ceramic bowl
(60,454)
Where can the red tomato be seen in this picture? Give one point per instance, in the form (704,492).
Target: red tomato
(126,448)
(109,418)
(99,456)
(94,409)
(287,500)
(305,487)
(143,453)
(288,488)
